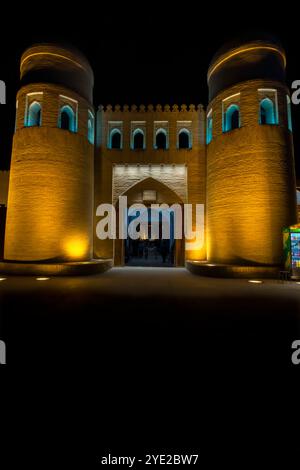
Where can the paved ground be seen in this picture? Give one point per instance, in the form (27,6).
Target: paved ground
(149,262)
(142,282)
(140,307)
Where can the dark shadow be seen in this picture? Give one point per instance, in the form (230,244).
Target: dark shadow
(161,141)
(116,140)
(2,229)
(184,140)
(138,141)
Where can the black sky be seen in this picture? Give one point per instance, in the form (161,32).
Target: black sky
(142,52)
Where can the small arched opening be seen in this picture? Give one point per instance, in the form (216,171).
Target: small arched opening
(267,113)
(34,117)
(232,118)
(115,139)
(184,139)
(138,140)
(67,120)
(161,139)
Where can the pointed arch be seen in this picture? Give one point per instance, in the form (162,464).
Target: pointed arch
(115,139)
(91,127)
(174,204)
(267,112)
(67,118)
(138,137)
(184,139)
(34,114)
(231,118)
(209,127)
(161,139)
(149,183)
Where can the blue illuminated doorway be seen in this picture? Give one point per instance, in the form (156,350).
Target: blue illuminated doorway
(148,250)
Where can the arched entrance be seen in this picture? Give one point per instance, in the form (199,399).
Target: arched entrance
(149,250)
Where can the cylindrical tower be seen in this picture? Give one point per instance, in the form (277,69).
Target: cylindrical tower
(50,200)
(251,192)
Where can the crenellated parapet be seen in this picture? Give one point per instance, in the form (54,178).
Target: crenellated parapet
(150,119)
(150,108)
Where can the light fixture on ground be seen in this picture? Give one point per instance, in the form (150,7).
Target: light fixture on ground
(2,279)
(255,281)
(42,278)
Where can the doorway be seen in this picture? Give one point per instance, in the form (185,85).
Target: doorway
(152,250)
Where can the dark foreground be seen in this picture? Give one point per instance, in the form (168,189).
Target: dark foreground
(149,359)
(134,312)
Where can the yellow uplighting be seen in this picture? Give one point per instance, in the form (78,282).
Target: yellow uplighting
(210,264)
(76,247)
(2,278)
(254,281)
(241,51)
(42,278)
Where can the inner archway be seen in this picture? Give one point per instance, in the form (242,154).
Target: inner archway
(156,244)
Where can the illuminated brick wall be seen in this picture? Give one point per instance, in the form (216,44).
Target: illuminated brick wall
(250,181)
(244,177)
(161,165)
(4,178)
(50,199)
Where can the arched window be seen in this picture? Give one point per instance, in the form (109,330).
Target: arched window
(289,113)
(267,114)
(184,139)
(115,139)
(231,118)
(209,128)
(34,115)
(138,139)
(161,139)
(67,118)
(91,127)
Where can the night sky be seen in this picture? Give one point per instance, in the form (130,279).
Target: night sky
(142,53)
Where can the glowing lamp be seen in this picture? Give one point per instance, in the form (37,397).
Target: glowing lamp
(76,247)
